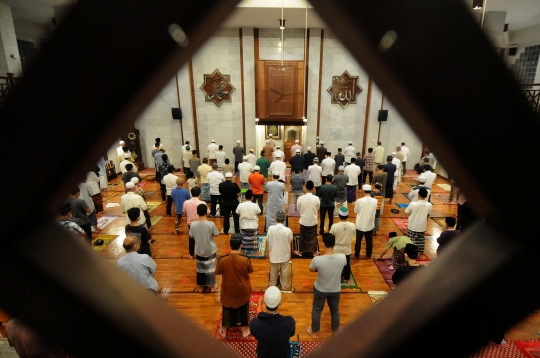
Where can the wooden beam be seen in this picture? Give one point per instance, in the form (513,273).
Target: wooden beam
(320,84)
(194,107)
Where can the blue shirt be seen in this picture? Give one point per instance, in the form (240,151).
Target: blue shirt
(179,195)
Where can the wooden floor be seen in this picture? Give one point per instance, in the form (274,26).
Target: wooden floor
(176,272)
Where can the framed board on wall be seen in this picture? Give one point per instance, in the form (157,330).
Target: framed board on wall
(274,130)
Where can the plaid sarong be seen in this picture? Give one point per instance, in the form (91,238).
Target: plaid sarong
(249,239)
(233,317)
(418,239)
(206,267)
(308,239)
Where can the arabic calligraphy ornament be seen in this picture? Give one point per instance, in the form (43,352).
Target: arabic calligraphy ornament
(344,89)
(217,87)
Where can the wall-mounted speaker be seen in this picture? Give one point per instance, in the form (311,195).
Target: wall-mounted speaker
(383,115)
(177,113)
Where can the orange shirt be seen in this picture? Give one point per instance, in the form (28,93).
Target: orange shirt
(256,180)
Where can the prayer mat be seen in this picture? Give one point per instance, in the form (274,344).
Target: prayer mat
(439,220)
(406,195)
(150,193)
(352,285)
(106,220)
(413,185)
(261,244)
(292,211)
(150,178)
(152,205)
(423,257)
(387,270)
(107,239)
(107,195)
(234,334)
(402,225)
(446,187)
(248,349)
(377,296)
(445,198)
(402,206)
(113,185)
(143,184)
(512,349)
(154,219)
(148,171)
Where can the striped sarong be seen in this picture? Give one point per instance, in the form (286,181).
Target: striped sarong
(205,192)
(418,239)
(351,193)
(308,239)
(249,239)
(206,268)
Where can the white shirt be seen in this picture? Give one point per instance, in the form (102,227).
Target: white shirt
(252,159)
(186,155)
(418,213)
(170,182)
(140,267)
(281,154)
(328,165)
(430,178)
(279,243)
(220,158)
(212,149)
(397,173)
(378,152)
(294,148)
(413,194)
(405,151)
(365,209)
(308,205)
(352,171)
(248,212)
(344,232)
(349,152)
(314,174)
(120,151)
(214,179)
(123,166)
(132,200)
(278,166)
(245,170)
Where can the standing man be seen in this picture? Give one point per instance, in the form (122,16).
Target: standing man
(390,169)
(360,163)
(186,156)
(228,168)
(79,213)
(321,150)
(279,245)
(158,160)
(140,267)
(179,195)
(309,156)
(365,209)
(165,168)
(397,174)
(413,194)
(297,185)
(380,177)
(276,200)
(235,288)
(297,161)
(405,151)
(245,170)
(449,233)
(349,153)
(142,233)
(368,167)
(125,162)
(378,154)
(268,150)
(328,165)
(203,171)
(119,150)
(327,287)
(212,149)
(249,222)
(296,147)
(220,157)
(340,181)
(430,176)
(352,171)
(279,166)
(170,183)
(215,178)
(239,153)
(344,232)
(271,141)
(314,174)
(263,164)
(327,195)
(339,159)
(271,329)
(256,182)
(278,152)
(86,195)
(229,203)
(194,164)
(308,205)
(190,209)
(418,213)
(129,174)
(379,195)
(252,159)
(132,200)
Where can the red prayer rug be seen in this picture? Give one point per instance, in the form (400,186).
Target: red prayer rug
(529,348)
(292,211)
(402,225)
(445,198)
(234,334)
(248,349)
(512,349)
(148,171)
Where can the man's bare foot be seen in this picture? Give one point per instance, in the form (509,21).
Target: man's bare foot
(214,288)
(311,333)
(349,281)
(335,332)
(245,332)
(297,253)
(353,256)
(222,332)
(258,253)
(316,253)
(200,289)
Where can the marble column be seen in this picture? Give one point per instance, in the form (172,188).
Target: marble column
(10,61)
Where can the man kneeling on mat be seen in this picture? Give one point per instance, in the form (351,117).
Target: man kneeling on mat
(235,288)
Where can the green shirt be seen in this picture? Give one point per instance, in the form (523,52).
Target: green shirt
(398,242)
(264,164)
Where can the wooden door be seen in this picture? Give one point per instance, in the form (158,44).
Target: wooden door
(290,134)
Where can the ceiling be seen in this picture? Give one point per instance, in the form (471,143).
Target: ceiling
(266,13)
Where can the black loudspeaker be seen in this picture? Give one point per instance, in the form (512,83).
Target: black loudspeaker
(383,115)
(512,51)
(177,113)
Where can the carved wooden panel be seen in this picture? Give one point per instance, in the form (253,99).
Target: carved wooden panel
(280,94)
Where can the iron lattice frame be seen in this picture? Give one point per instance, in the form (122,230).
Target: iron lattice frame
(441,74)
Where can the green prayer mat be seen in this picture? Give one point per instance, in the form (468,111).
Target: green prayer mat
(107,239)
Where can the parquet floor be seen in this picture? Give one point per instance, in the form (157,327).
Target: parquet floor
(176,272)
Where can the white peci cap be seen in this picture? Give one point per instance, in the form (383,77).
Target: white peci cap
(366,187)
(238,141)
(228,175)
(121,142)
(309,149)
(130,185)
(244,157)
(296,141)
(256,167)
(135,180)
(298,151)
(127,156)
(213,140)
(272,297)
(321,142)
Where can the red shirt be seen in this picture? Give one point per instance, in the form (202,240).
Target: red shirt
(256,180)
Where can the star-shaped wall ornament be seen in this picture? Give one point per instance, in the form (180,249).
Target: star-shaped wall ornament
(344,89)
(217,87)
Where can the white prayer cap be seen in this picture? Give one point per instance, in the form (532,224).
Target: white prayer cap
(321,142)
(316,159)
(394,154)
(213,140)
(135,180)
(309,149)
(350,142)
(278,146)
(252,150)
(272,297)
(228,175)
(130,185)
(297,141)
(422,178)
(270,135)
(268,141)
(256,167)
(366,187)
(238,141)
(298,151)
(278,155)
(127,156)
(341,168)
(275,173)
(121,142)
(244,157)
